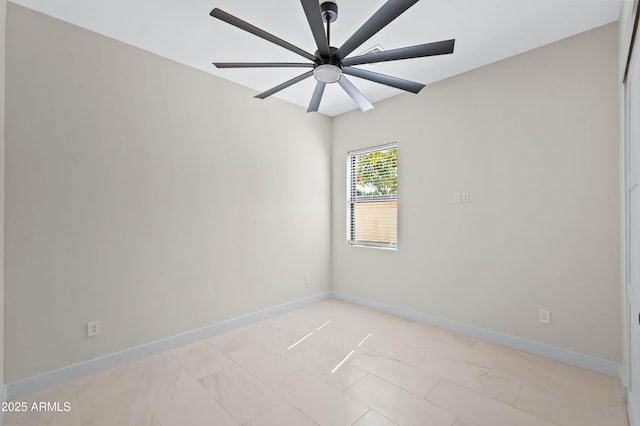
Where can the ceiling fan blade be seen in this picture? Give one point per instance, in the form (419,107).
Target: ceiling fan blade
(317,97)
(419,51)
(262,65)
(284,85)
(314,17)
(387,13)
(355,94)
(399,83)
(239,23)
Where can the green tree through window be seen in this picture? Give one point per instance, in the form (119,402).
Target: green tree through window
(377,173)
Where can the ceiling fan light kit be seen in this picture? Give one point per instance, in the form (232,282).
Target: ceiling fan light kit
(330,64)
(327,73)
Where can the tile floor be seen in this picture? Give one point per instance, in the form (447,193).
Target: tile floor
(334,363)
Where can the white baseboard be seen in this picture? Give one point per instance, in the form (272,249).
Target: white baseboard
(588,362)
(52,378)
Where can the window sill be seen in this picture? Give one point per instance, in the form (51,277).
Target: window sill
(372,247)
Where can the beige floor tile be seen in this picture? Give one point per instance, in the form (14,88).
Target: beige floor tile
(201,358)
(558,378)
(597,388)
(19,418)
(271,337)
(433,339)
(500,388)
(393,371)
(396,348)
(619,413)
(462,422)
(129,408)
(374,419)
(529,368)
(383,322)
(103,385)
(198,412)
(165,382)
(355,322)
(566,408)
(230,341)
(484,354)
(333,341)
(66,419)
(262,363)
(241,395)
(300,321)
(318,400)
(349,324)
(474,377)
(451,369)
(615,394)
(482,410)
(398,405)
(65,391)
(282,414)
(321,364)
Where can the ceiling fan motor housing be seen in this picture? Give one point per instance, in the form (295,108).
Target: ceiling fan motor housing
(327,70)
(329,11)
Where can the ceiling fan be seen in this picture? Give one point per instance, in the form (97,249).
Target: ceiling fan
(330,64)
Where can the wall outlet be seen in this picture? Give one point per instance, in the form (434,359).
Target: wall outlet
(93,328)
(466,198)
(307,279)
(544,316)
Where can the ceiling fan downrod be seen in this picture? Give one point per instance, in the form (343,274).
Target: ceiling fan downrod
(329,11)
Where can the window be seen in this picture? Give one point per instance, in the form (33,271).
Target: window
(373,197)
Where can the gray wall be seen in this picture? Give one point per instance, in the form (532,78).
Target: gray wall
(147,195)
(3,14)
(535,140)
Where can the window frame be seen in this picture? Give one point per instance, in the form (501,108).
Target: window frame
(350,234)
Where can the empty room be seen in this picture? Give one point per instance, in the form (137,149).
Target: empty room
(389,212)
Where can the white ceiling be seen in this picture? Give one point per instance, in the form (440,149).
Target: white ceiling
(182,30)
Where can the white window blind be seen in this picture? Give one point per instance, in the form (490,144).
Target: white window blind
(373,196)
